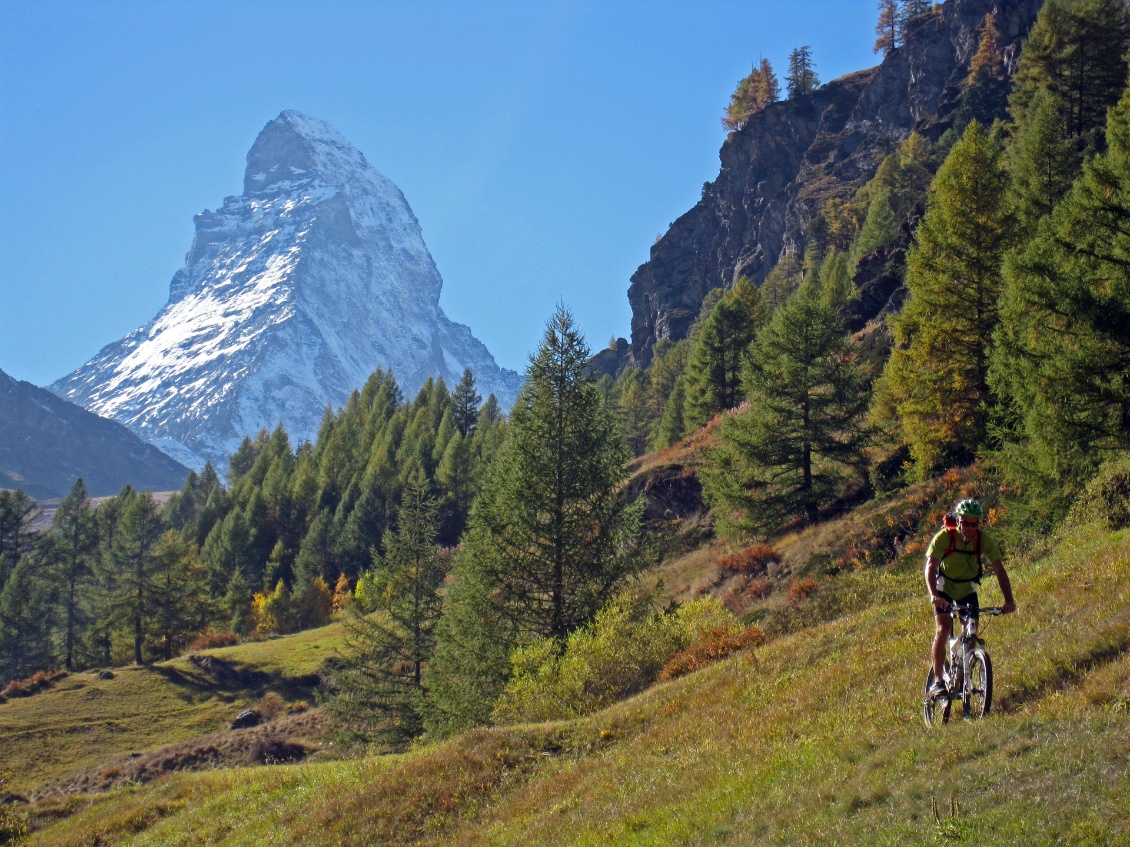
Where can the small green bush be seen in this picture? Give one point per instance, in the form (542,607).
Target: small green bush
(619,654)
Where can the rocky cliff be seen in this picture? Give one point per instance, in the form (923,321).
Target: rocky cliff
(788,160)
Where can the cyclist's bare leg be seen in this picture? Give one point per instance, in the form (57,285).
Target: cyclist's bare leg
(941,642)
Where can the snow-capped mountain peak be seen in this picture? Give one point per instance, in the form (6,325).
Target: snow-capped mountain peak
(291,295)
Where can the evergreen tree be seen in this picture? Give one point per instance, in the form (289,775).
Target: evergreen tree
(1063,344)
(75,550)
(465,403)
(1076,52)
(801,80)
(935,382)
(132,560)
(550,535)
(887,29)
(713,375)
(379,683)
(790,454)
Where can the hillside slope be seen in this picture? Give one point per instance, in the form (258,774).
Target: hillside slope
(815,738)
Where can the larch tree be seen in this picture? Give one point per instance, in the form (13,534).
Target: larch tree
(754,93)
(132,560)
(75,552)
(802,437)
(887,29)
(1076,51)
(378,683)
(935,384)
(712,381)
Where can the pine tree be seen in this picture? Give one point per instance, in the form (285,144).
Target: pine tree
(76,547)
(887,29)
(801,80)
(880,227)
(910,10)
(1063,344)
(550,537)
(935,382)
(790,454)
(379,683)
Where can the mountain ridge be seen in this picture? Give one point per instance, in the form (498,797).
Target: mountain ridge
(47,443)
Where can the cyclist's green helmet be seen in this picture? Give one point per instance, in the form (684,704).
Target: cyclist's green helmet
(969,508)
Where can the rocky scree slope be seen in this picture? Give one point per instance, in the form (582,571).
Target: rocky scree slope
(779,170)
(291,295)
(47,443)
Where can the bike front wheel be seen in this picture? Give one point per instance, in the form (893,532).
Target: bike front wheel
(977,697)
(935,710)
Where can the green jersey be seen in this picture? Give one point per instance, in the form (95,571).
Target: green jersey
(960,567)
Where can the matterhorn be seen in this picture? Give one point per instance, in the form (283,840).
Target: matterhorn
(292,294)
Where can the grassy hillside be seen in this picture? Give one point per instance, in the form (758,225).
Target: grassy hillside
(814,738)
(83,721)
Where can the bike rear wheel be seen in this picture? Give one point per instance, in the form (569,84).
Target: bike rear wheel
(977,697)
(935,709)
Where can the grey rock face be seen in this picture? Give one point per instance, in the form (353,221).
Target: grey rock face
(291,295)
(779,170)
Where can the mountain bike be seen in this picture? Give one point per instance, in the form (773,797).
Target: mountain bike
(967,674)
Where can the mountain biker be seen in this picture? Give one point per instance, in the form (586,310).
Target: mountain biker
(953,571)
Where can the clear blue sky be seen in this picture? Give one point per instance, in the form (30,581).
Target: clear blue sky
(542,145)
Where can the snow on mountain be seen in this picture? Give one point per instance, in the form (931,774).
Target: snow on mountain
(291,295)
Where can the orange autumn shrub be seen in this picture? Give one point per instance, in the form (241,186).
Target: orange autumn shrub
(717,645)
(751,560)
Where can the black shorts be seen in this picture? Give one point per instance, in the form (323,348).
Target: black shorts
(971,600)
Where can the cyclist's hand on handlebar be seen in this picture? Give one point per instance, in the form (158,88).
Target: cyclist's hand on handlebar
(1008,608)
(940,603)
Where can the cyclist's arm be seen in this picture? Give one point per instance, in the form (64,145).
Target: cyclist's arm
(932,567)
(997,568)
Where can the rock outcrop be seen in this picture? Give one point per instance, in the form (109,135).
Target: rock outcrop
(780,169)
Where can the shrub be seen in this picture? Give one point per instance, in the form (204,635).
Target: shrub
(751,560)
(270,706)
(801,589)
(741,593)
(36,682)
(13,825)
(717,645)
(212,640)
(620,653)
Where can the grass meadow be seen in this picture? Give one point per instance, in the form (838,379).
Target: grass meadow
(814,738)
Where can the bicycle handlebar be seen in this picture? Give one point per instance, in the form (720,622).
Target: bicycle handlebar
(958,608)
